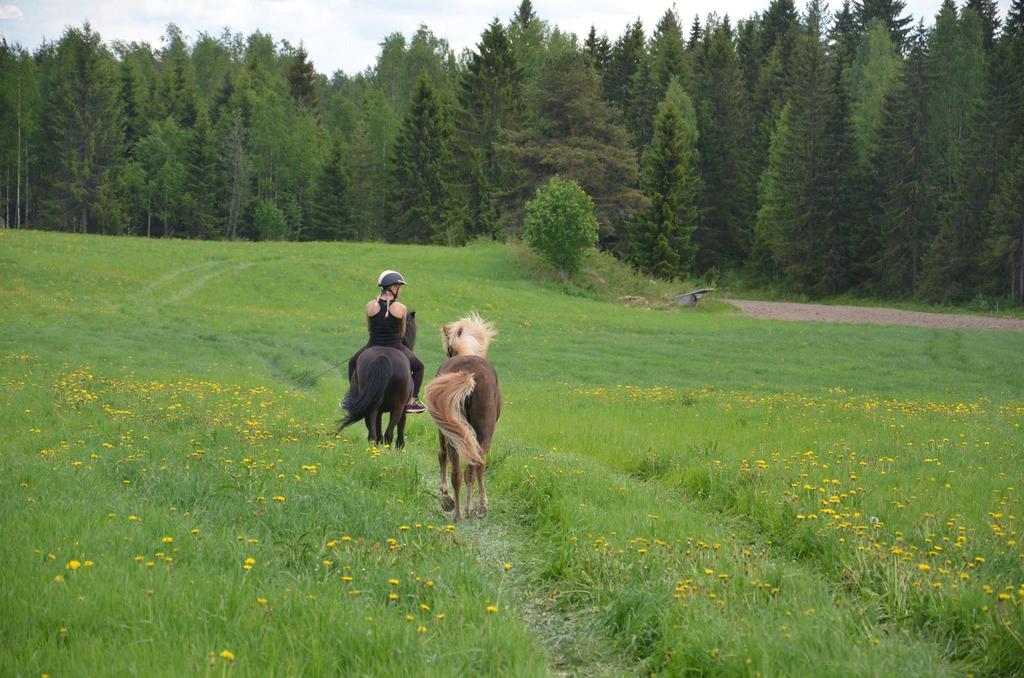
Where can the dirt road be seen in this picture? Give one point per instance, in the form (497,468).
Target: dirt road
(777,310)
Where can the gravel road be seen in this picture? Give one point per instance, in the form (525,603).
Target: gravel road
(777,310)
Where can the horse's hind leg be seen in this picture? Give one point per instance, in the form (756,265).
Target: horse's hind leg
(400,442)
(469,487)
(481,507)
(456,485)
(447,503)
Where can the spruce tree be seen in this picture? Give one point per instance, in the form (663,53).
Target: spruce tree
(796,216)
(179,95)
(696,35)
(957,62)
(668,55)
(599,49)
(1005,244)
(725,199)
(302,81)
(889,13)
(330,205)
(421,172)
(904,219)
(202,180)
(627,55)
(84,130)
(490,95)
(662,237)
(988,14)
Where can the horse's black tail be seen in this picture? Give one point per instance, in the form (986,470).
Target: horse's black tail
(370,396)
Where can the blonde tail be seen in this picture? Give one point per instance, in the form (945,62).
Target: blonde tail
(445,396)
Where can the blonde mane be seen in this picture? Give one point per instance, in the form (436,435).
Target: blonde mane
(470,335)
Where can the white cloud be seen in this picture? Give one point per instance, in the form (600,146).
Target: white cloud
(10,12)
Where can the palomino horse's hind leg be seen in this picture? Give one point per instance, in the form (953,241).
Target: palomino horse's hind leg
(469,487)
(456,485)
(447,503)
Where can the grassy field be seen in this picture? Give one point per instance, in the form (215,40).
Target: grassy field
(671,491)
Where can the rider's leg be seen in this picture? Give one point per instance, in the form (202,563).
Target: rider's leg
(417,372)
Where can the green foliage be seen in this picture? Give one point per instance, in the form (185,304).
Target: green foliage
(727,194)
(560,224)
(662,237)
(84,130)
(572,135)
(330,210)
(421,198)
(874,73)
(490,103)
(1005,244)
(269,221)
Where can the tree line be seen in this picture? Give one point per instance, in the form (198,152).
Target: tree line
(853,151)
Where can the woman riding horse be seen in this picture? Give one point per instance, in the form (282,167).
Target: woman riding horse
(386,321)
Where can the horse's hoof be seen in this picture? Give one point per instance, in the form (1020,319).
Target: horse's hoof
(447,503)
(481,511)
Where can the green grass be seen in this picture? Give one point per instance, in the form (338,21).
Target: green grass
(674,491)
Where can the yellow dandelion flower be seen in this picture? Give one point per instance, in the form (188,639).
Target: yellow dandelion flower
(393,582)
(261,601)
(439,616)
(421,629)
(392,596)
(59,579)
(924,567)
(73,565)
(167,540)
(228,654)
(491,609)
(508,566)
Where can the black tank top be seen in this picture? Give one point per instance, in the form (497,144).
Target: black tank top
(385,329)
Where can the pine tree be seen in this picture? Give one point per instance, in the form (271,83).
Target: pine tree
(330,205)
(421,169)
(489,102)
(662,237)
(572,135)
(302,81)
(84,130)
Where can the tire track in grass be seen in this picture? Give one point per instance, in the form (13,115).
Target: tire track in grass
(139,295)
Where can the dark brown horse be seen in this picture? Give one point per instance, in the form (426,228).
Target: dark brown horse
(465,403)
(382,382)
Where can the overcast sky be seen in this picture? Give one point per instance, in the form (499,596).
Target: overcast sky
(345,34)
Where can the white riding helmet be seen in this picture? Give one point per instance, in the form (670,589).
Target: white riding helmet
(389,278)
